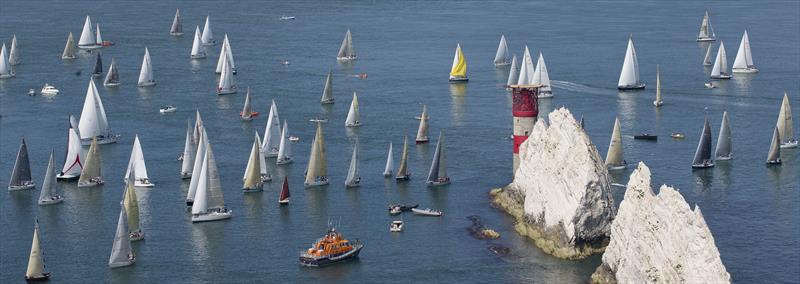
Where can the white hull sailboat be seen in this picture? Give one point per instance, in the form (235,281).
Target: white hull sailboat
(247,113)
(35,270)
(327,93)
(629,76)
(387,171)
(208,35)
(21,174)
(202,143)
(458,72)
(121,251)
(73,160)
(198,51)
(785,125)
(724,141)
(353,179)
(744,57)
(614,160)
(720,70)
(88,39)
(98,36)
(347,52)
(702,156)
(402,171)
(422,131)
(137,161)
(542,78)
(131,203)
(227,83)
(353,115)
(501,57)
(13,53)
(272,133)
(774,154)
(284,148)
(707,59)
(513,73)
(706,30)
(317,171)
(91,175)
(69,48)
(177,25)
(526,69)
(94,122)
(227,53)
(49,194)
(5,68)
(146,73)
(438,173)
(112,76)
(265,175)
(252,172)
(658,101)
(209,192)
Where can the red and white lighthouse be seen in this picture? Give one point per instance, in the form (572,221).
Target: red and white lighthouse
(525,110)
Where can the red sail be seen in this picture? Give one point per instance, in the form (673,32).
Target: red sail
(285,191)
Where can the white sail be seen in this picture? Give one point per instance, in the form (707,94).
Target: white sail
(501,57)
(317,171)
(201,195)
(402,169)
(720,70)
(247,109)
(327,93)
(353,115)
(49,191)
(512,74)
(785,124)
(347,51)
(272,133)
(542,77)
(198,166)
(707,58)
(215,197)
(629,76)
(5,68)
(136,162)
(146,73)
(121,251)
(188,152)
(177,25)
(262,161)
(724,142)
(658,101)
(208,35)
(227,83)
(99,38)
(69,49)
(73,160)
(422,131)
(226,50)
(197,49)
(87,39)
(744,58)
(614,155)
(774,154)
(112,76)
(285,148)
(252,172)
(93,116)
(526,70)
(353,179)
(706,30)
(35,260)
(387,171)
(13,53)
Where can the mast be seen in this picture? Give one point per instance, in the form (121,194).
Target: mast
(707,58)
(272,133)
(512,74)
(208,35)
(122,243)
(146,73)
(501,57)
(69,48)
(327,93)
(774,155)
(87,39)
(21,174)
(352,173)
(353,116)
(724,141)
(785,124)
(177,25)
(285,148)
(422,131)
(402,170)
(317,172)
(197,50)
(387,172)
(49,184)
(112,77)
(614,156)
(36,260)
(527,70)
(188,152)
(13,53)
(702,156)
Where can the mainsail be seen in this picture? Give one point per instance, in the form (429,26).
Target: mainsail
(121,251)
(94,122)
(387,171)
(347,51)
(228,54)
(92,168)
(284,197)
(247,110)
(438,171)
(272,133)
(49,185)
(112,76)
(73,159)
(774,155)
(98,66)
(707,58)
(317,172)
(87,39)
(512,74)
(658,101)
(208,35)
(36,260)
(702,156)
(131,203)
(526,70)
(198,51)
(706,30)
(136,162)
(285,148)
(459,69)
(724,141)
(226,84)
(199,159)
(5,68)
(146,73)
(541,77)
(13,53)
(352,172)
(99,38)
(327,93)
(353,116)
(784,124)
(402,170)
(252,173)
(629,76)
(422,131)
(177,25)
(21,174)
(69,49)
(720,70)
(215,197)
(501,57)
(744,58)
(188,152)
(614,156)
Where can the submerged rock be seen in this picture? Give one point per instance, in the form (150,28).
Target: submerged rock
(659,239)
(479,231)
(561,194)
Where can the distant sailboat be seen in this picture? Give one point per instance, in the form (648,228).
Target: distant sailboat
(112,76)
(177,24)
(247,113)
(35,270)
(98,66)
(706,30)
(188,153)
(94,122)
(91,175)
(702,156)
(422,131)
(73,159)
(69,49)
(438,172)
(327,93)
(198,51)
(265,175)
(513,73)
(614,160)
(542,78)
(284,148)
(785,125)
(227,83)
(707,59)
(13,53)
(208,35)
(137,162)
(5,68)
(317,171)
(87,40)
(209,203)
(353,115)
(283,199)
(658,102)
(228,54)
(458,73)
(526,69)
(347,51)
(774,155)
(252,172)
(387,171)
(720,70)
(21,173)
(744,58)
(98,36)
(49,194)
(131,203)
(629,77)
(202,143)
(146,73)
(402,171)
(353,179)
(725,140)
(122,252)
(272,133)
(501,57)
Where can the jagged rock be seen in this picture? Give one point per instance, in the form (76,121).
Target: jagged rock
(659,239)
(561,194)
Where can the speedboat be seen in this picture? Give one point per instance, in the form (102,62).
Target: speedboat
(49,90)
(31,92)
(320,120)
(646,136)
(427,212)
(167,109)
(710,85)
(294,138)
(285,18)
(395,210)
(396,226)
(330,249)
(677,135)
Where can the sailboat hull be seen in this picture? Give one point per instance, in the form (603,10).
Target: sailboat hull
(445,181)
(226,91)
(402,178)
(704,39)
(29,185)
(136,236)
(89,47)
(91,183)
(545,95)
(258,188)
(53,200)
(123,264)
(455,79)
(147,84)
(175,34)
(284,201)
(316,183)
(212,215)
(68,177)
(100,140)
(631,87)
(346,58)
(774,162)
(199,56)
(186,175)
(7,76)
(617,168)
(44,277)
(284,161)
(141,183)
(327,101)
(702,166)
(748,70)
(110,84)
(721,76)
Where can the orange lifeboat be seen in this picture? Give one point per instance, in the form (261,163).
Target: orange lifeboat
(330,249)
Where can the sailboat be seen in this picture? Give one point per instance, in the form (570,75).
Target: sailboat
(438,172)
(629,77)
(353,115)
(744,58)
(614,160)
(271,143)
(94,123)
(785,126)
(69,49)
(225,53)
(317,171)
(121,251)
(87,40)
(187,161)
(402,171)
(177,24)
(98,66)
(5,68)
(209,203)
(252,173)
(21,174)
(265,175)
(327,93)
(13,53)
(227,83)
(284,148)
(98,36)
(347,51)
(541,78)
(725,140)
(198,51)
(49,193)
(73,159)
(146,73)
(199,157)
(707,59)
(458,73)
(526,69)
(247,113)
(512,74)
(112,76)
(35,270)
(387,171)
(702,156)
(91,175)
(283,199)
(208,35)
(137,162)
(774,155)
(658,102)
(131,203)
(353,179)
(706,30)
(501,57)
(422,131)
(720,70)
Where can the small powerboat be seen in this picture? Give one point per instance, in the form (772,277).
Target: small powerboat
(320,120)
(646,136)
(427,212)
(49,90)
(286,18)
(710,85)
(395,210)
(294,138)
(396,226)
(31,92)
(167,109)
(677,135)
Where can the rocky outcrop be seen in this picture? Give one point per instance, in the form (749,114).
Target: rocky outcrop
(561,195)
(659,239)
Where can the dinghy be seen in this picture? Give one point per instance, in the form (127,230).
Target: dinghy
(541,78)
(208,35)
(131,203)
(458,73)
(228,54)
(252,172)
(49,194)
(396,226)
(87,40)
(121,252)
(198,51)
(744,58)
(427,212)
(706,30)
(327,93)
(112,76)
(402,171)
(724,149)
(21,173)
(387,171)
(189,150)
(702,156)
(501,57)
(167,109)
(13,53)
(5,68)
(347,51)
(209,203)
(35,270)
(785,126)
(614,160)
(512,74)
(283,199)
(438,172)
(284,148)
(526,69)
(73,159)
(353,179)
(774,155)
(199,157)
(720,70)
(94,122)
(69,49)
(658,101)
(317,171)
(271,143)
(137,162)
(227,83)
(629,77)
(177,25)
(91,175)
(146,73)
(247,113)
(707,59)
(98,66)
(353,116)
(422,131)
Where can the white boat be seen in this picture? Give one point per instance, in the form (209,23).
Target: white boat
(320,120)
(122,252)
(21,173)
(131,203)
(91,174)
(112,76)
(438,172)
(98,36)
(614,160)
(395,210)
(706,30)
(202,143)
(353,179)
(785,125)
(774,155)
(422,130)
(272,133)
(87,40)
(227,83)
(658,101)
(167,109)
(247,113)
(707,59)
(725,140)
(526,69)
(13,53)
(284,148)
(396,226)
(327,93)
(542,78)
(252,173)
(141,179)
(5,68)
(347,51)
(73,159)
(427,212)
(317,171)
(146,73)
(720,70)
(353,115)
(35,271)
(209,203)
(387,171)
(402,171)
(629,76)
(94,122)
(208,35)
(198,51)
(49,193)
(189,149)
(287,18)
(294,138)
(458,72)
(228,54)
(177,25)
(501,57)
(69,48)
(744,58)
(710,85)
(513,73)
(702,156)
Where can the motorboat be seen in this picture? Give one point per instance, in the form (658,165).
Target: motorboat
(427,212)
(710,85)
(677,135)
(31,92)
(294,138)
(321,120)
(646,136)
(395,210)
(330,249)
(49,90)
(167,109)
(285,18)
(396,226)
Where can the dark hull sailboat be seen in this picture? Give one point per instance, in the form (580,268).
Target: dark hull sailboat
(284,197)
(702,156)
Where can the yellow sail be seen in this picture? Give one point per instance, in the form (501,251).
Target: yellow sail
(459,64)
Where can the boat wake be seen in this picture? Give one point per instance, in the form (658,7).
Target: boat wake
(580,88)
